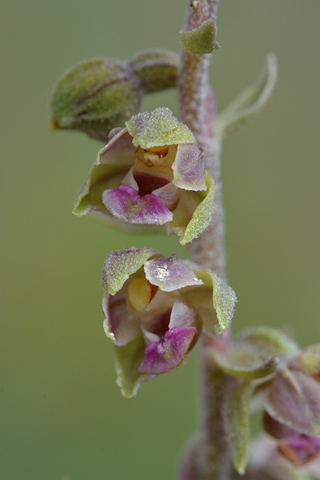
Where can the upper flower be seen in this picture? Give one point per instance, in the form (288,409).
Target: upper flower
(151,173)
(155,309)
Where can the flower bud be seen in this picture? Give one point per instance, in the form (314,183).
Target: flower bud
(157,69)
(292,407)
(293,399)
(95,96)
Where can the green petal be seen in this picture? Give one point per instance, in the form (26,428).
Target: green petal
(214,301)
(193,213)
(224,300)
(157,129)
(250,102)
(101,177)
(128,360)
(121,264)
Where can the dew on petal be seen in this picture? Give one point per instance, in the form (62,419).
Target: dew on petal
(162,273)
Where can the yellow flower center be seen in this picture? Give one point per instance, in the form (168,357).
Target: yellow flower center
(140,293)
(155,155)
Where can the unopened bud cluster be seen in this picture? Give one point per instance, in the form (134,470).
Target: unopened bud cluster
(99,94)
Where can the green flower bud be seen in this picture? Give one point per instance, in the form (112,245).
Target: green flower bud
(157,69)
(95,96)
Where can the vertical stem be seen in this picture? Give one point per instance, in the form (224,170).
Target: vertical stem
(197,111)
(193,75)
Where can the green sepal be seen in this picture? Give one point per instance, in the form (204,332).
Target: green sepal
(214,301)
(193,213)
(157,129)
(244,364)
(250,101)
(266,342)
(223,300)
(256,353)
(101,177)
(238,423)
(94,96)
(127,362)
(157,69)
(200,40)
(121,264)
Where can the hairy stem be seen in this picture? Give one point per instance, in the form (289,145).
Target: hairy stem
(212,461)
(193,75)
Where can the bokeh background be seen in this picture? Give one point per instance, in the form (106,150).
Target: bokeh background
(61,413)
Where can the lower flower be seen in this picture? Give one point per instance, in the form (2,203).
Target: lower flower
(155,309)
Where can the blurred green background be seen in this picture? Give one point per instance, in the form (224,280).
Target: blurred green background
(61,412)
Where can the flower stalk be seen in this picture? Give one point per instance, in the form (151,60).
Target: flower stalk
(198,112)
